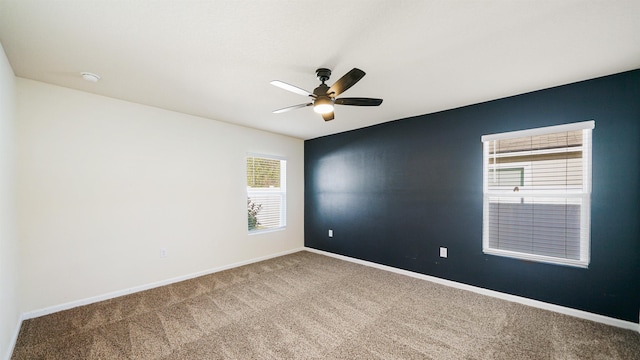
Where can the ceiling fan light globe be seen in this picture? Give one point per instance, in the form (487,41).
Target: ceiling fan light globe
(323,109)
(323,105)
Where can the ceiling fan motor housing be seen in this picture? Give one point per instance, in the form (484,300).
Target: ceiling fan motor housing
(321,90)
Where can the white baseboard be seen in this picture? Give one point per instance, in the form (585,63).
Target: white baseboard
(513,298)
(14,339)
(114,294)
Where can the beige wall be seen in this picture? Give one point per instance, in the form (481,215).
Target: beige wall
(104,184)
(9,301)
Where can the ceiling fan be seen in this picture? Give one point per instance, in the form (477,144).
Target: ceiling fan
(324,97)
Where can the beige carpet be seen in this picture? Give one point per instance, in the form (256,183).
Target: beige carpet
(309,306)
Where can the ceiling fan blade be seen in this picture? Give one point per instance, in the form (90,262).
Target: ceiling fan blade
(328,116)
(292,88)
(358,101)
(289,108)
(348,80)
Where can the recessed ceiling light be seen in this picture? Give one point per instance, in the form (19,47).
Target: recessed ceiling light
(90,76)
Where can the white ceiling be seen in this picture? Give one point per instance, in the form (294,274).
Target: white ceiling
(215,58)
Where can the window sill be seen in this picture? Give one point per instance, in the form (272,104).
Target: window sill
(264,231)
(537,258)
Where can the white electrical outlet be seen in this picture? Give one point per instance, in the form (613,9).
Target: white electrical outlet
(163,252)
(330,233)
(443,252)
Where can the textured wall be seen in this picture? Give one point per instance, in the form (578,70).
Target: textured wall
(394,193)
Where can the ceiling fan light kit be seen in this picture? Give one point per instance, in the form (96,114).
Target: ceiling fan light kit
(324,97)
(323,105)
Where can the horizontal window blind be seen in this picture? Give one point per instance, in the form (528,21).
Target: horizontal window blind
(537,193)
(271,208)
(266,193)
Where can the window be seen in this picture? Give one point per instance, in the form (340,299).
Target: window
(537,194)
(266,193)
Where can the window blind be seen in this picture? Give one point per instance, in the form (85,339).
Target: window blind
(537,193)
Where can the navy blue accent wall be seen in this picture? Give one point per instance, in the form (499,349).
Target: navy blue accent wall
(395,192)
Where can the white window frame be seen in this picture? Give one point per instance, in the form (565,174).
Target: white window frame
(580,194)
(281,192)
